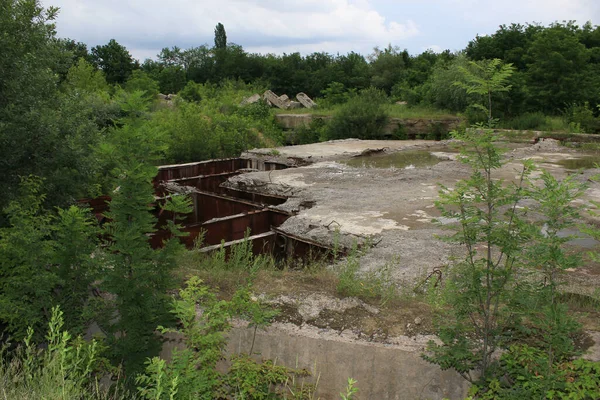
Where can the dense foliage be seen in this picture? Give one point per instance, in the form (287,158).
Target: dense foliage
(76,123)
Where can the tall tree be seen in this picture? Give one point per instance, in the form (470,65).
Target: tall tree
(136,276)
(114,59)
(220,37)
(556,62)
(42,132)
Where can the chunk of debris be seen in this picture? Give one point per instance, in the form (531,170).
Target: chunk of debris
(294,105)
(255,98)
(370,152)
(275,100)
(305,100)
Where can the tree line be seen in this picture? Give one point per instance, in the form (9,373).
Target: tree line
(557,66)
(76,123)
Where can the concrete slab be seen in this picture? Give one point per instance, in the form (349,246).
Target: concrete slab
(334,149)
(393,207)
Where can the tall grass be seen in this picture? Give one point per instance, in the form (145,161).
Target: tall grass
(64,370)
(537,121)
(392,110)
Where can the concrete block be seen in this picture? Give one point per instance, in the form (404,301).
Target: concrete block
(275,100)
(305,100)
(255,98)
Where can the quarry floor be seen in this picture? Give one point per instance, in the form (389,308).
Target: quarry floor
(393,208)
(391,211)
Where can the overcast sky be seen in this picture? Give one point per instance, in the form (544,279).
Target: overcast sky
(286,26)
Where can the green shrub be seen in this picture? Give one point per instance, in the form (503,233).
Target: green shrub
(437,131)
(536,121)
(529,374)
(335,93)
(581,115)
(316,131)
(192,92)
(526,121)
(362,117)
(64,370)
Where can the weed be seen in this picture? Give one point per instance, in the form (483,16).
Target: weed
(376,284)
(351,390)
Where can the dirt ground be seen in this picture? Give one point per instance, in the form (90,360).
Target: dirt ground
(392,209)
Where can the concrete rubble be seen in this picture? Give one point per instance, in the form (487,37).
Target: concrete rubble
(275,100)
(255,98)
(283,102)
(305,100)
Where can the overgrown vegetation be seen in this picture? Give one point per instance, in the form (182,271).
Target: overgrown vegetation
(503,298)
(76,123)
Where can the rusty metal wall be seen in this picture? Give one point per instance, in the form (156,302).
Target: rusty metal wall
(210,167)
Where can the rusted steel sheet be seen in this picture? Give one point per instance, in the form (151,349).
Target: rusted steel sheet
(230,228)
(291,246)
(207,183)
(261,244)
(258,198)
(210,167)
(208,206)
(99,206)
(236,226)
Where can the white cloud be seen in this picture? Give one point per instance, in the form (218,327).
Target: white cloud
(484,12)
(276,25)
(433,47)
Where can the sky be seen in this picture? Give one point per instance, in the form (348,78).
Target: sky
(144,27)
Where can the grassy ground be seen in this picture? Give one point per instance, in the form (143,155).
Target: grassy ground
(393,110)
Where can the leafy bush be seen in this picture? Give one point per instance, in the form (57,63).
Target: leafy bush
(139,80)
(362,117)
(529,374)
(582,115)
(336,93)
(526,121)
(192,92)
(315,132)
(64,370)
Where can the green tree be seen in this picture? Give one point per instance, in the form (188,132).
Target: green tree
(114,60)
(136,275)
(556,62)
(140,80)
(26,253)
(83,76)
(45,260)
(362,117)
(171,79)
(486,78)
(387,67)
(75,239)
(442,92)
(43,132)
(220,37)
(480,287)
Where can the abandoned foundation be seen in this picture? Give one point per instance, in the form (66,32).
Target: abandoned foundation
(302,199)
